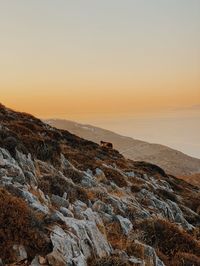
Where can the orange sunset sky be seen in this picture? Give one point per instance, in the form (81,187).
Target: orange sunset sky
(73,59)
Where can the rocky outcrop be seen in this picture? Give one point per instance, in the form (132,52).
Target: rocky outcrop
(75,203)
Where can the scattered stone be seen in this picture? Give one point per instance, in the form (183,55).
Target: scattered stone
(66,212)
(59,201)
(100,206)
(125,223)
(65,195)
(99,174)
(42,260)
(35,261)
(136,261)
(130,174)
(78,230)
(19,252)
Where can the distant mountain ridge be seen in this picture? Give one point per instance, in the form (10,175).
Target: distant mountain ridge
(171,160)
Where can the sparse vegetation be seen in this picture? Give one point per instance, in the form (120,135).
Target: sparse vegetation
(19,225)
(59,185)
(115,176)
(167,195)
(115,235)
(108,261)
(168,238)
(76,176)
(185,259)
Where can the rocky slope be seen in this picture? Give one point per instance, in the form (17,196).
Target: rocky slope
(67,201)
(172,161)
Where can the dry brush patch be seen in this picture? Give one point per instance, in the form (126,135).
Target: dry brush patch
(115,176)
(75,175)
(164,194)
(108,261)
(20,225)
(115,235)
(185,259)
(58,185)
(192,200)
(151,169)
(168,238)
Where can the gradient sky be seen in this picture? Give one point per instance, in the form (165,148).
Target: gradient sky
(70,59)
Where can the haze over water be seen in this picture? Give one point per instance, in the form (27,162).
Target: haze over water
(122,65)
(178,131)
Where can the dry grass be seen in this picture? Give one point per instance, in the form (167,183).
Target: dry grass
(91,195)
(136,188)
(115,176)
(108,261)
(185,259)
(164,194)
(19,225)
(58,185)
(115,235)
(135,249)
(168,238)
(193,179)
(117,193)
(151,169)
(76,176)
(36,193)
(193,202)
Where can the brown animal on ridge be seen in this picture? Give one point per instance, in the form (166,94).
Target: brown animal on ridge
(107,145)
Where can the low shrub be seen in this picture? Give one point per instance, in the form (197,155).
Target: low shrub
(108,261)
(115,235)
(185,259)
(151,169)
(166,195)
(10,143)
(20,225)
(115,176)
(193,202)
(76,176)
(58,185)
(135,249)
(136,188)
(168,237)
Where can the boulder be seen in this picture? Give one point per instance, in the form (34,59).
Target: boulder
(19,253)
(81,240)
(125,223)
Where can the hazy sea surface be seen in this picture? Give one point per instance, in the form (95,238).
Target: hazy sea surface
(178,130)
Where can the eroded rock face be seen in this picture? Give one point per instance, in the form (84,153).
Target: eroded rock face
(81,240)
(87,202)
(85,236)
(10,167)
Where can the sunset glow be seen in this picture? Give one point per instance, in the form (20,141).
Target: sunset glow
(77,58)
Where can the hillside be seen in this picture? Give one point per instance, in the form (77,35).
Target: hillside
(193,179)
(172,161)
(67,201)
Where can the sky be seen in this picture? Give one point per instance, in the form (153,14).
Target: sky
(100,60)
